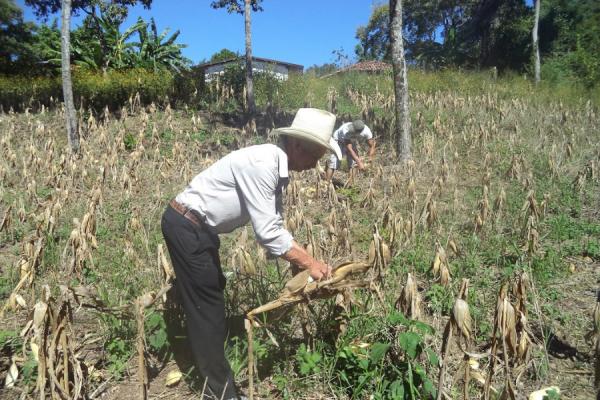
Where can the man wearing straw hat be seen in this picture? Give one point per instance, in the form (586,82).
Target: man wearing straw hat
(244,186)
(347,135)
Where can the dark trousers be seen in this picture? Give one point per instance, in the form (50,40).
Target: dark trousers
(199,279)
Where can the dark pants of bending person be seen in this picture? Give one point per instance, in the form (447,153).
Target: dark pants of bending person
(199,279)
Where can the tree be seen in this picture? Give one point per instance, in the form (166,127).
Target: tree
(223,55)
(15,38)
(320,70)
(374,38)
(536,45)
(235,6)
(249,83)
(44,8)
(403,137)
(70,114)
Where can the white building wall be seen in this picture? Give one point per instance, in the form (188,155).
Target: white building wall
(279,71)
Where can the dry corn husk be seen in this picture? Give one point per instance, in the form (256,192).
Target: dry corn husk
(173,378)
(12,374)
(409,301)
(300,287)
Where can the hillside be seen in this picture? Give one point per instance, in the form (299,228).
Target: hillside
(503,191)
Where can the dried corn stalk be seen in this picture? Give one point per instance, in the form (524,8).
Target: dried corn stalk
(303,288)
(409,301)
(52,342)
(505,332)
(379,253)
(459,324)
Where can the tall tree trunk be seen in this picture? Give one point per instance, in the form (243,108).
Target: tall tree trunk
(249,84)
(402,133)
(65,46)
(536,46)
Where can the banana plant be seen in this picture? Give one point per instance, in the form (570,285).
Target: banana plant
(157,51)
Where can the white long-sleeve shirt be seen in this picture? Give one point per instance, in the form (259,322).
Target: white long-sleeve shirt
(245,185)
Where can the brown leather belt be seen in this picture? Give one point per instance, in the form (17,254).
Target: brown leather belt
(186,212)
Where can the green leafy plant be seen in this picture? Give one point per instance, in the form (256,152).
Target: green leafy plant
(308,361)
(156,332)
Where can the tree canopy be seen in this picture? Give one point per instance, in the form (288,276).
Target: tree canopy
(44,8)
(490,33)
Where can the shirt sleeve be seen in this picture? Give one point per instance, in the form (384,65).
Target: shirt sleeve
(366,133)
(257,181)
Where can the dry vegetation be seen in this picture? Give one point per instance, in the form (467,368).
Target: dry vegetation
(473,269)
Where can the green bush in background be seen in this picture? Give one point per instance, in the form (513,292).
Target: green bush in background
(113,89)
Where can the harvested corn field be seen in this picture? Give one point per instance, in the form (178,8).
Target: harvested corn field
(469,272)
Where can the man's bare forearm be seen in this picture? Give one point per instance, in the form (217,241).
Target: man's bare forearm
(300,257)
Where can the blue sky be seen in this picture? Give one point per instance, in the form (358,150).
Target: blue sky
(297,31)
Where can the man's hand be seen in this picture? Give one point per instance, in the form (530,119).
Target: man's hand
(319,270)
(361,165)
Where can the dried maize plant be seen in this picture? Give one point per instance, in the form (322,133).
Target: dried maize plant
(51,340)
(454,247)
(428,147)
(292,197)
(524,334)
(544,205)
(483,210)
(344,244)
(428,215)
(458,325)
(77,247)
(242,261)
(499,204)
(531,236)
(579,181)
(46,221)
(135,226)
(444,169)
(528,181)
(515,169)
(292,222)
(140,343)
(332,99)
(439,267)
(332,197)
(332,225)
(394,225)
(312,246)
(552,163)
(343,304)
(379,254)
(568,150)
(6,220)
(483,136)
(302,288)
(165,268)
(352,172)
(592,170)
(530,207)
(369,200)
(27,266)
(409,302)
(504,335)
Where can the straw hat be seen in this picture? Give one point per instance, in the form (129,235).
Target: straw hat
(315,126)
